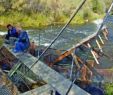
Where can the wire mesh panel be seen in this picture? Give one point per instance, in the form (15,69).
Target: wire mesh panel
(6,86)
(4,91)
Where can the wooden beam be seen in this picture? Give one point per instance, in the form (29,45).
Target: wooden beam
(105,33)
(99,46)
(67,53)
(101,39)
(91,68)
(92,52)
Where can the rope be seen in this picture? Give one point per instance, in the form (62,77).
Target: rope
(62,30)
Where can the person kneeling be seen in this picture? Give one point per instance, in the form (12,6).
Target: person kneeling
(11,35)
(22,43)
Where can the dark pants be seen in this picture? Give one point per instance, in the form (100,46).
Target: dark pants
(56,93)
(8,35)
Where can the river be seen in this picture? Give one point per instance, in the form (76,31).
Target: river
(71,36)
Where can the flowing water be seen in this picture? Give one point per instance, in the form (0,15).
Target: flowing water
(70,37)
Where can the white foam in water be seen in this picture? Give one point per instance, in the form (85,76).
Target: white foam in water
(98,21)
(2,33)
(29,31)
(46,44)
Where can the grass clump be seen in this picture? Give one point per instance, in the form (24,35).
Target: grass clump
(108,88)
(1,41)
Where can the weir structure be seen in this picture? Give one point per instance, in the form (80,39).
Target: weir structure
(41,76)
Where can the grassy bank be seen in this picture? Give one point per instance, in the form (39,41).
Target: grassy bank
(24,20)
(108,88)
(38,13)
(40,20)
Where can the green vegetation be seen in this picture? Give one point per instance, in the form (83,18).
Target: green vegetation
(108,88)
(36,13)
(1,41)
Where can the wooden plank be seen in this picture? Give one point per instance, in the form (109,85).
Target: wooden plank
(60,83)
(50,76)
(43,90)
(93,54)
(68,52)
(57,81)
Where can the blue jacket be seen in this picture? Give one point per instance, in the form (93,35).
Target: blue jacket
(23,37)
(13,32)
(22,43)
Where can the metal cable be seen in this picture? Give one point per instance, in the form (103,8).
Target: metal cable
(75,78)
(102,24)
(97,32)
(62,30)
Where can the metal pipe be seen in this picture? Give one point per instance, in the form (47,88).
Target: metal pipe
(62,30)
(72,68)
(74,59)
(111,6)
(75,79)
(104,21)
(93,70)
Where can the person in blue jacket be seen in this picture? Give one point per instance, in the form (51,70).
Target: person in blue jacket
(11,32)
(23,42)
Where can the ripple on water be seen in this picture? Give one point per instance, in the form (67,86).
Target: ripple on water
(71,36)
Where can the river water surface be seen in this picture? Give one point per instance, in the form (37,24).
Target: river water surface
(71,36)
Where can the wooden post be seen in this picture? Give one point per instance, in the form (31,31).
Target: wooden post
(84,70)
(105,33)
(91,68)
(101,39)
(100,48)
(94,56)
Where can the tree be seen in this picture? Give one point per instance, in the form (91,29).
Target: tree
(98,6)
